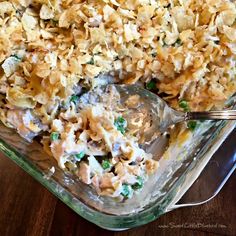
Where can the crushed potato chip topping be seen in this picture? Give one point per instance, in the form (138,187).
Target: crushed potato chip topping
(51,50)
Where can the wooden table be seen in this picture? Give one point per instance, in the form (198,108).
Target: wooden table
(27,208)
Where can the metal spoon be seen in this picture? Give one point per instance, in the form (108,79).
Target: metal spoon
(159,115)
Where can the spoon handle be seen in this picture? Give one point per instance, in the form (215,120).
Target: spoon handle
(211,115)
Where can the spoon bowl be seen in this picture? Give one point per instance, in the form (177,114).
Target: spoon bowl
(157,115)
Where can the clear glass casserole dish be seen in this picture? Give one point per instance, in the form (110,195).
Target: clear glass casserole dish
(174,177)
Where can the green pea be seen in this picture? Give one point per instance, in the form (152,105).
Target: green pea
(184,105)
(192,125)
(138,184)
(127,191)
(106,164)
(74,99)
(121,124)
(151,85)
(79,156)
(54,136)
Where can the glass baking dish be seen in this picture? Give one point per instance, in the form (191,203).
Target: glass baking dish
(175,176)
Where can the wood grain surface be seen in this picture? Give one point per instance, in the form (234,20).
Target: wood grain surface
(27,208)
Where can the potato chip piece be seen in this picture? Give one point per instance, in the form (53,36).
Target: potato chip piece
(10,65)
(19,98)
(46,13)
(29,22)
(6,8)
(131,32)
(92,71)
(98,35)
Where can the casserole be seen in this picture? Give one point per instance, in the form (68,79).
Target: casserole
(54,51)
